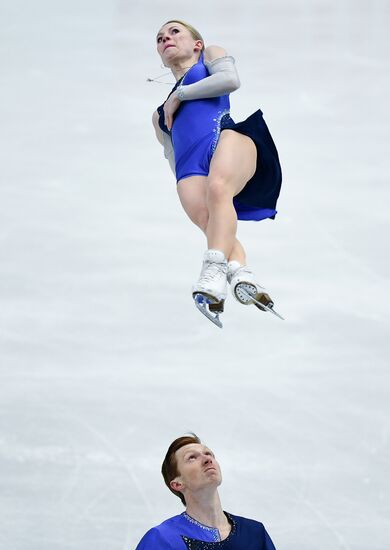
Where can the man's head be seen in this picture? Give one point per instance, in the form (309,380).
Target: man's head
(190,466)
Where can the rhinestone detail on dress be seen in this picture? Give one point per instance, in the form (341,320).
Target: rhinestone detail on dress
(218,126)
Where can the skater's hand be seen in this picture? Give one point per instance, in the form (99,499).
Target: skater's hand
(170,107)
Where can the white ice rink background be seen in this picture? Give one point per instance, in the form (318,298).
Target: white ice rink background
(104,359)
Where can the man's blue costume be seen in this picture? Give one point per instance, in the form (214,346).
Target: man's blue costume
(183,532)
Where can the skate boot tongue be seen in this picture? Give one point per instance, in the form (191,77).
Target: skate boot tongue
(214,256)
(209,292)
(233,267)
(212,280)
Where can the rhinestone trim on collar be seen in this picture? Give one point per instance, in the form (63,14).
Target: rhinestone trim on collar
(214,530)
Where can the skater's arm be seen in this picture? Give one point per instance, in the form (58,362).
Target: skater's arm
(223,77)
(268,544)
(169,153)
(157,128)
(165,141)
(152,541)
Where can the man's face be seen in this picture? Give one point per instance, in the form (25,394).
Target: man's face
(197,467)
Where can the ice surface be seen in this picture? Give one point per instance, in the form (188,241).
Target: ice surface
(104,359)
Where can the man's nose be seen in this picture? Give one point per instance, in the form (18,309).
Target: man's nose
(207,459)
(165,38)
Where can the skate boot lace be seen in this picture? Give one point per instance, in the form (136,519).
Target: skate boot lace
(211,271)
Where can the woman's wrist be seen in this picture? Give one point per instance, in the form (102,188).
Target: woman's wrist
(180,93)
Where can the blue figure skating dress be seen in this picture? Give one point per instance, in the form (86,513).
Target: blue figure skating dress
(185,533)
(195,133)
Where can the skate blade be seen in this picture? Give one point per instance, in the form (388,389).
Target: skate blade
(247,294)
(209,307)
(263,307)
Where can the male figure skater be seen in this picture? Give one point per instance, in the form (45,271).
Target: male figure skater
(192,473)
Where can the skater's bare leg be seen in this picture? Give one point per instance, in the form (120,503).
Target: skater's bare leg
(232,166)
(193,196)
(237,253)
(192,193)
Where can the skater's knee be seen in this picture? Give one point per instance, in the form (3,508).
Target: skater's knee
(218,189)
(203,220)
(200,218)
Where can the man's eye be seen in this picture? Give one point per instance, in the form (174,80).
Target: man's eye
(175,31)
(159,39)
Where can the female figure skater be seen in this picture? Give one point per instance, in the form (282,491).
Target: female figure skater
(224,171)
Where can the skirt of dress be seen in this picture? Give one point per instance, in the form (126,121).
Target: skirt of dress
(257,200)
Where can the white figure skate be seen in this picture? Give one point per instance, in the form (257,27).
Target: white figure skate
(246,290)
(210,291)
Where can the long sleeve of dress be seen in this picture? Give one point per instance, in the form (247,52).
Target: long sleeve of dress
(223,79)
(169,153)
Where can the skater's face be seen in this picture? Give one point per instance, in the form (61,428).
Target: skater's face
(198,469)
(175,43)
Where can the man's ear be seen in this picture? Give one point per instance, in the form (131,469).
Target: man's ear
(176,485)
